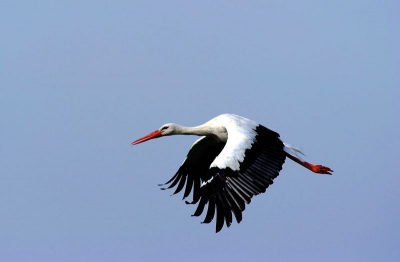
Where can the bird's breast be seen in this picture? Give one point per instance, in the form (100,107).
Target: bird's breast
(221,133)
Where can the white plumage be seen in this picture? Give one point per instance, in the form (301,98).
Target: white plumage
(235,159)
(241,137)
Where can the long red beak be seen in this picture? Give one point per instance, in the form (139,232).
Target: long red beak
(152,135)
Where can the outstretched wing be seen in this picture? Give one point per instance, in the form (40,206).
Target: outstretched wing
(248,164)
(195,167)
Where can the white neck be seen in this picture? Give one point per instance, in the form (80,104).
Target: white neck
(201,130)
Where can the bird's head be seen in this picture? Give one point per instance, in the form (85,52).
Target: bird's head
(165,130)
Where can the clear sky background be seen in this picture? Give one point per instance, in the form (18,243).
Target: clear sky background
(80,80)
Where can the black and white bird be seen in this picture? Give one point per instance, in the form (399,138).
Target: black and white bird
(234,160)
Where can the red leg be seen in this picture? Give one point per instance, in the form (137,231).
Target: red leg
(315,168)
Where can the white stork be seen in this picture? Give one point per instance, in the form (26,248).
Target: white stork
(234,160)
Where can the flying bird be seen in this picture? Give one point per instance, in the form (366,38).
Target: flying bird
(234,160)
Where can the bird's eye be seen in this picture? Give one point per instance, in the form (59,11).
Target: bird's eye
(164,127)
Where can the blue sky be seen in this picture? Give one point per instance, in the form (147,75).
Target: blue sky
(80,80)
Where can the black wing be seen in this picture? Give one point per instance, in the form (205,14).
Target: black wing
(227,191)
(195,167)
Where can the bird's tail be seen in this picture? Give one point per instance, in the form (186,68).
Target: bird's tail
(291,150)
(294,154)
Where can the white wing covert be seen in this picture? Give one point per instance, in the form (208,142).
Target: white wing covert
(231,173)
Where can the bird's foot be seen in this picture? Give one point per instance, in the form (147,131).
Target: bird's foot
(320,169)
